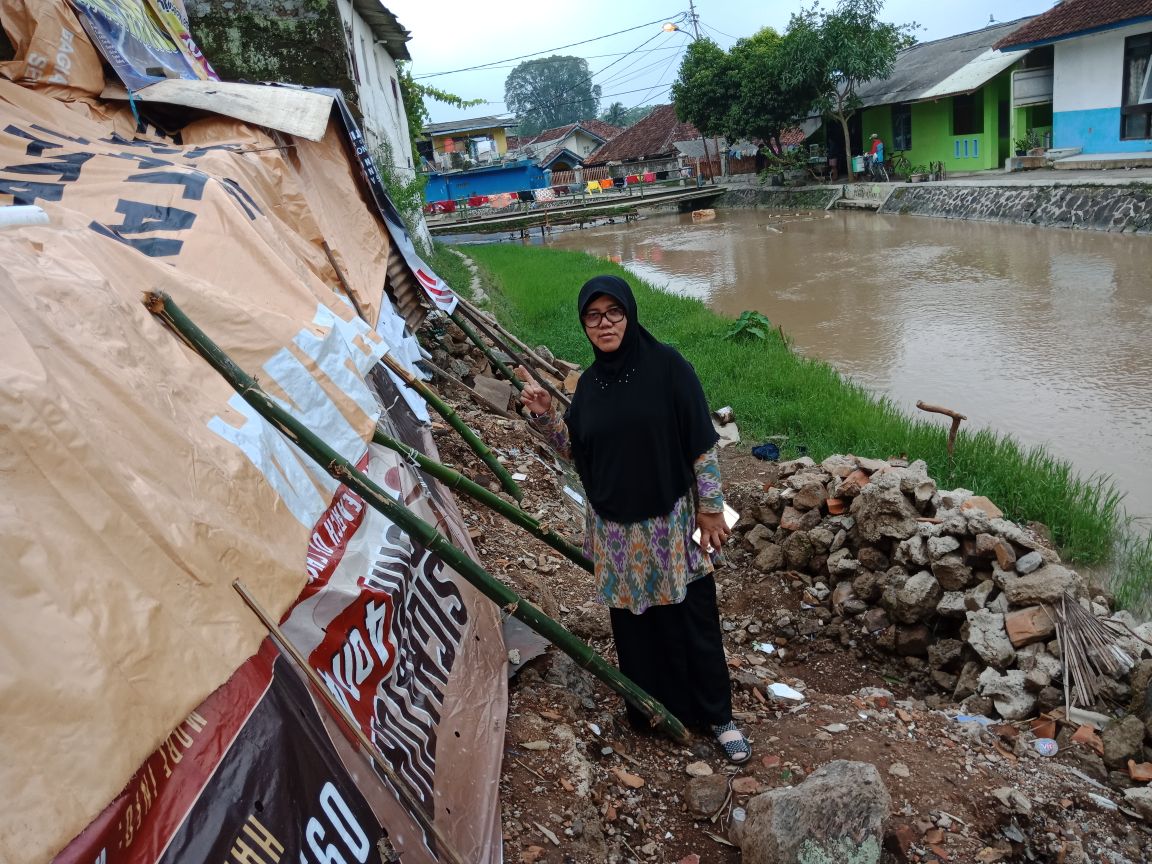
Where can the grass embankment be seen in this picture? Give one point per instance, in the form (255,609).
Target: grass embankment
(775,391)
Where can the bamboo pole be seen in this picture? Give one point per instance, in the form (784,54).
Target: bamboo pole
(475,312)
(404,792)
(164,308)
(446,411)
(456,481)
(520,360)
(442,408)
(474,337)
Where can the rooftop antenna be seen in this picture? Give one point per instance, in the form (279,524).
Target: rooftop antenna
(991,19)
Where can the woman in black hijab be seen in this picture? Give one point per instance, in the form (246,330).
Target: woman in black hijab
(644,446)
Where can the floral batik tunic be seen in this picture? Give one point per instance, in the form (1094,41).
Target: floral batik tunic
(648,563)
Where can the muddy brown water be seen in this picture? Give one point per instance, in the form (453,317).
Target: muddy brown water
(1043,333)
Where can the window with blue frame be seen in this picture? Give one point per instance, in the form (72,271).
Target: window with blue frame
(1136,106)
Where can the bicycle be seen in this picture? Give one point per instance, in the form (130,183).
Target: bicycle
(875,169)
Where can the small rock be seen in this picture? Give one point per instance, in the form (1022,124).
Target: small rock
(536,745)
(1123,741)
(979,502)
(986,634)
(1140,800)
(1013,800)
(1028,563)
(746,786)
(632,781)
(835,728)
(917,600)
(1046,586)
(1032,624)
(705,795)
(698,769)
(899,769)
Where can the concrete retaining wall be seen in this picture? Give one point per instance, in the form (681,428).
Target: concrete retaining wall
(1125,209)
(811,198)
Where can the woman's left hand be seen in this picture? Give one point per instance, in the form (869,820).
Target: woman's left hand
(713,531)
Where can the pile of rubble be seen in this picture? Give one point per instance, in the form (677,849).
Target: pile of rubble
(968,599)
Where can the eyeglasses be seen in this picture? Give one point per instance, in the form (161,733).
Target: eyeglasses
(614,314)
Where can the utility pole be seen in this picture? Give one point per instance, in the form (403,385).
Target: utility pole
(695,18)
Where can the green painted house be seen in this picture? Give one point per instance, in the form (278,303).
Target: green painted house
(950,101)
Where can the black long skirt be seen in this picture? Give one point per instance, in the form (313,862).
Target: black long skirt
(676,653)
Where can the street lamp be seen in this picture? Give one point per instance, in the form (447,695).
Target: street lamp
(672,27)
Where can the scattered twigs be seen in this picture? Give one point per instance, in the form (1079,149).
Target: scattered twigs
(456,481)
(947,412)
(164,308)
(1090,652)
(458,317)
(344,282)
(403,791)
(449,414)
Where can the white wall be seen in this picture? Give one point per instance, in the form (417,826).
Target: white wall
(1089,70)
(380,100)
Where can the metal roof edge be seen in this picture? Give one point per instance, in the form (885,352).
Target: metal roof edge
(385,26)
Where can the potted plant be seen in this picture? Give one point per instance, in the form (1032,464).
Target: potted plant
(1021,145)
(919,174)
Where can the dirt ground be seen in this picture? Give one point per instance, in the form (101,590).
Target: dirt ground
(579,785)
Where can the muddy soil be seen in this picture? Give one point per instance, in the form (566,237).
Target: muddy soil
(579,785)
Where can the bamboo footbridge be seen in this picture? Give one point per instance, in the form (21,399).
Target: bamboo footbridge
(587,210)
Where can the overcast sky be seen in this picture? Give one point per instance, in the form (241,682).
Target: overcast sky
(462,33)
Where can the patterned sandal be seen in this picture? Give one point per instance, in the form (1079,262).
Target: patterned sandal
(736,746)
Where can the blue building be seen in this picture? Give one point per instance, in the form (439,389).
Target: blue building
(493,180)
(1102,72)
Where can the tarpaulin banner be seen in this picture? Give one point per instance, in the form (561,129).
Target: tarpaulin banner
(437,290)
(137,44)
(136,486)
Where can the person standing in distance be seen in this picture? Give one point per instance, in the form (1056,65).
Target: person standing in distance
(643,443)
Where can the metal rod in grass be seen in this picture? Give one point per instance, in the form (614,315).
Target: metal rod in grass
(408,797)
(454,420)
(456,481)
(164,308)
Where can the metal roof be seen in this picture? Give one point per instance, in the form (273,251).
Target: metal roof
(385,27)
(973,75)
(473,124)
(925,68)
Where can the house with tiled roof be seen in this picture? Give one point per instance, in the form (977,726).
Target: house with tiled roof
(1101,85)
(648,145)
(564,147)
(949,101)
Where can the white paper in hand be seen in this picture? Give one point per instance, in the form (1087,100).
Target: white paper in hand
(731,517)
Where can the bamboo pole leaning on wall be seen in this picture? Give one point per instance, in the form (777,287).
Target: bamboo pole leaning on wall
(446,411)
(166,310)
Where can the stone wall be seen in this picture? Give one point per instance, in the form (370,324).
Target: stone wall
(1125,209)
(810,198)
(297,41)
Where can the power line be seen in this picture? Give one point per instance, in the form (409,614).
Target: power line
(603,96)
(719,32)
(678,18)
(597,56)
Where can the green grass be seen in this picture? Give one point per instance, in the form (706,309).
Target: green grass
(775,391)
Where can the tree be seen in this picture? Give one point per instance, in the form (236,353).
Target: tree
(834,52)
(616,114)
(703,91)
(551,91)
(765,104)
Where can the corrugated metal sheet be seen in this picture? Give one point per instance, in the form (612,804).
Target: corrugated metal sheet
(385,27)
(973,75)
(922,67)
(652,136)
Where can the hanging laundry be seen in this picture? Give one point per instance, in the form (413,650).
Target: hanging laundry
(606,183)
(649,177)
(560,190)
(631,180)
(545,195)
(477,200)
(498,202)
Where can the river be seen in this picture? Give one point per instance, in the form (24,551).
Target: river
(1039,332)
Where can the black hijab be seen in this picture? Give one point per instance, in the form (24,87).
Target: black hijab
(638,421)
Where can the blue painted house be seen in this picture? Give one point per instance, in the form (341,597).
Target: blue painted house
(492,180)
(1102,72)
